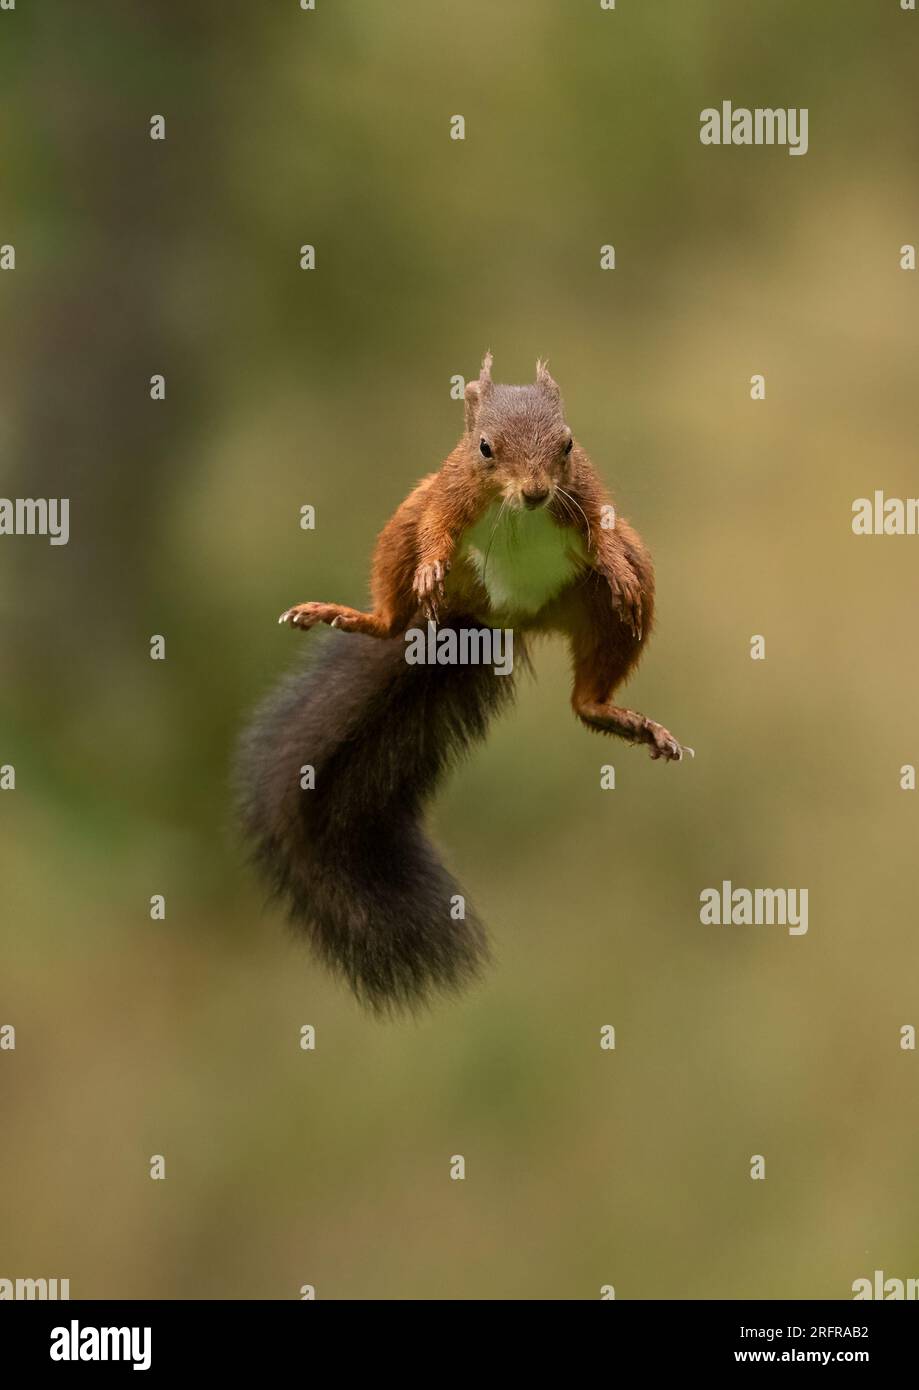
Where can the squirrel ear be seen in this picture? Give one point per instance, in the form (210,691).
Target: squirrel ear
(474,392)
(544,380)
(472,397)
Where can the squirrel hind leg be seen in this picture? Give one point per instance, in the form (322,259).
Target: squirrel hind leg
(607,718)
(604,652)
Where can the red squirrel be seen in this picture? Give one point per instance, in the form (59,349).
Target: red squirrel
(515,530)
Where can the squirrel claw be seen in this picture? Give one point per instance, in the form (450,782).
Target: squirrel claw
(302,615)
(627,601)
(662,744)
(429,587)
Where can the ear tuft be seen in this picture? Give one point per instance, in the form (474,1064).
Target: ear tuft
(475,391)
(544,379)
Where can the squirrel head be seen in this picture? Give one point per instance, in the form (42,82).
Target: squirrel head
(518,436)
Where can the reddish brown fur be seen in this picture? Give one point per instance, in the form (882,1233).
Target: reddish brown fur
(606,613)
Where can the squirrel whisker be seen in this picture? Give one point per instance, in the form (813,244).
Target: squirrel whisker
(579,507)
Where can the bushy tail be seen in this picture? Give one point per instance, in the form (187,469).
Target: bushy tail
(350,858)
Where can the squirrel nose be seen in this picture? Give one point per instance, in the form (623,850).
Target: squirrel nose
(531,500)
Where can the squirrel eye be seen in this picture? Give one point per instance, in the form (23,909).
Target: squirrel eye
(569,445)
(484,448)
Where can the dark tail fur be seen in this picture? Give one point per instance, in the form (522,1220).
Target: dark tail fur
(350,858)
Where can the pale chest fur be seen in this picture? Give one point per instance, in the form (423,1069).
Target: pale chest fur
(523,559)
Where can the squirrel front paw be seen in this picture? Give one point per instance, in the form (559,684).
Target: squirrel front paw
(307,615)
(428,586)
(627,598)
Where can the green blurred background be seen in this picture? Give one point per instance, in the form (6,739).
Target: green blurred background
(284,387)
